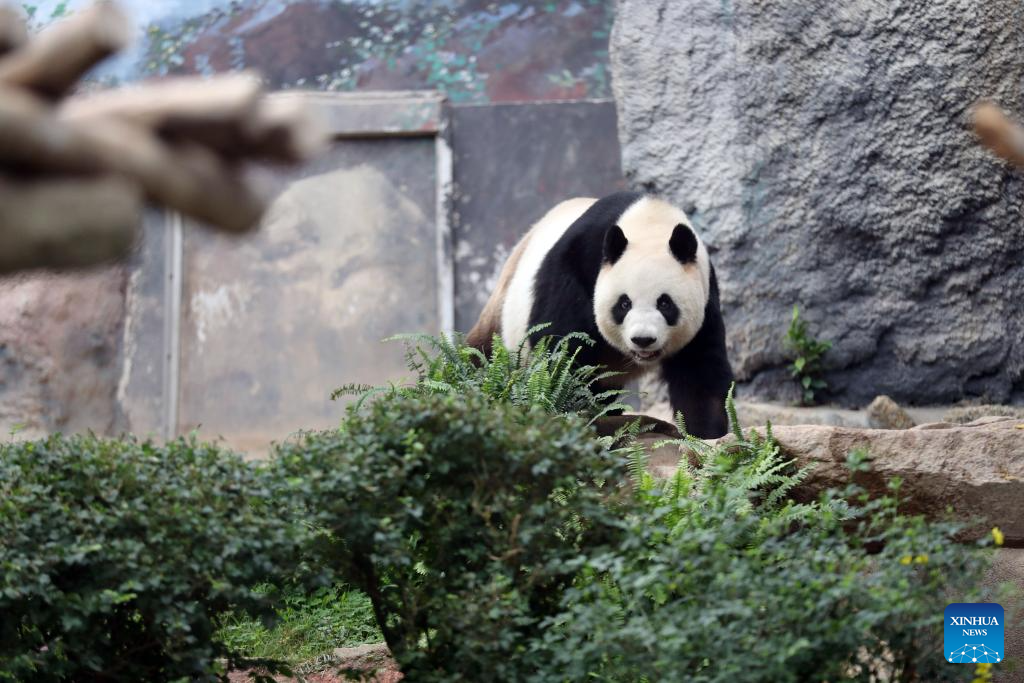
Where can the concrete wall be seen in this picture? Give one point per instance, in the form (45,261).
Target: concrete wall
(512,163)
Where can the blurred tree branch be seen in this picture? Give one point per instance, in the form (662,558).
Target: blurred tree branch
(999,133)
(75,173)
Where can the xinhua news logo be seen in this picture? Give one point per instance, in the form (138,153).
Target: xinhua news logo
(974,633)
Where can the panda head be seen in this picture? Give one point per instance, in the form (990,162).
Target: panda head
(654,282)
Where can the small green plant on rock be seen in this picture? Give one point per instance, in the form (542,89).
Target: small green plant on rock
(806,367)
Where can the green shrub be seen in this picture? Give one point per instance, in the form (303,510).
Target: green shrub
(723,578)
(543,377)
(461,518)
(116,557)
(806,367)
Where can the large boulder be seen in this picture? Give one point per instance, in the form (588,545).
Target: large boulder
(975,470)
(823,150)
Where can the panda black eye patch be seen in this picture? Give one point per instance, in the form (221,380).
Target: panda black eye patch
(621,308)
(668,309)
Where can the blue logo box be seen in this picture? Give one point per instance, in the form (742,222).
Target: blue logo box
(973,633)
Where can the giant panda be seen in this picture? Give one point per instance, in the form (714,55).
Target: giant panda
(629,271)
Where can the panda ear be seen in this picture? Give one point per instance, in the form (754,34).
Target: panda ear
(683,244)
(614,244)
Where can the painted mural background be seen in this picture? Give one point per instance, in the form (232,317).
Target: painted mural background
(473,50)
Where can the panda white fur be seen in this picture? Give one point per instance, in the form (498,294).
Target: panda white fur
(629,271)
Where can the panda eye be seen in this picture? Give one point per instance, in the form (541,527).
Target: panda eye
(668,309)
(621,309)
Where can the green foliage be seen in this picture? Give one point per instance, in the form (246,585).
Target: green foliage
(462,518)
(116,557)
(544,377)
(489,553)
(806,367)
(722,577)
(309,625)
(491,540)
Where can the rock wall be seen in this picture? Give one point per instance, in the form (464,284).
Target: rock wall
(60,346)
(822,149)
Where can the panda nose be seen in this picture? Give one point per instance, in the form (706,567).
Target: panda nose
(643,342)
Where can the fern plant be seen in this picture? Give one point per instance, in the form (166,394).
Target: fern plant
(546,375)
(748,462)
(806,367)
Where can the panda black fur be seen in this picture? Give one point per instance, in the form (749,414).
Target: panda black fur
(629,271)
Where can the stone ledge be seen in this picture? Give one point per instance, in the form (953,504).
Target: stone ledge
(976,470)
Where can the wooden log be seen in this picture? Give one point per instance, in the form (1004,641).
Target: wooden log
(33,140)
(53,62)
(228,114)
(223,195)
(67,223)
(999,133)
(286,130)
(186,177)
(212,111)
(13,33)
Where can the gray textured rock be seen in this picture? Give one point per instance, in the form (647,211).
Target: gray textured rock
(752,413)
(822,149)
